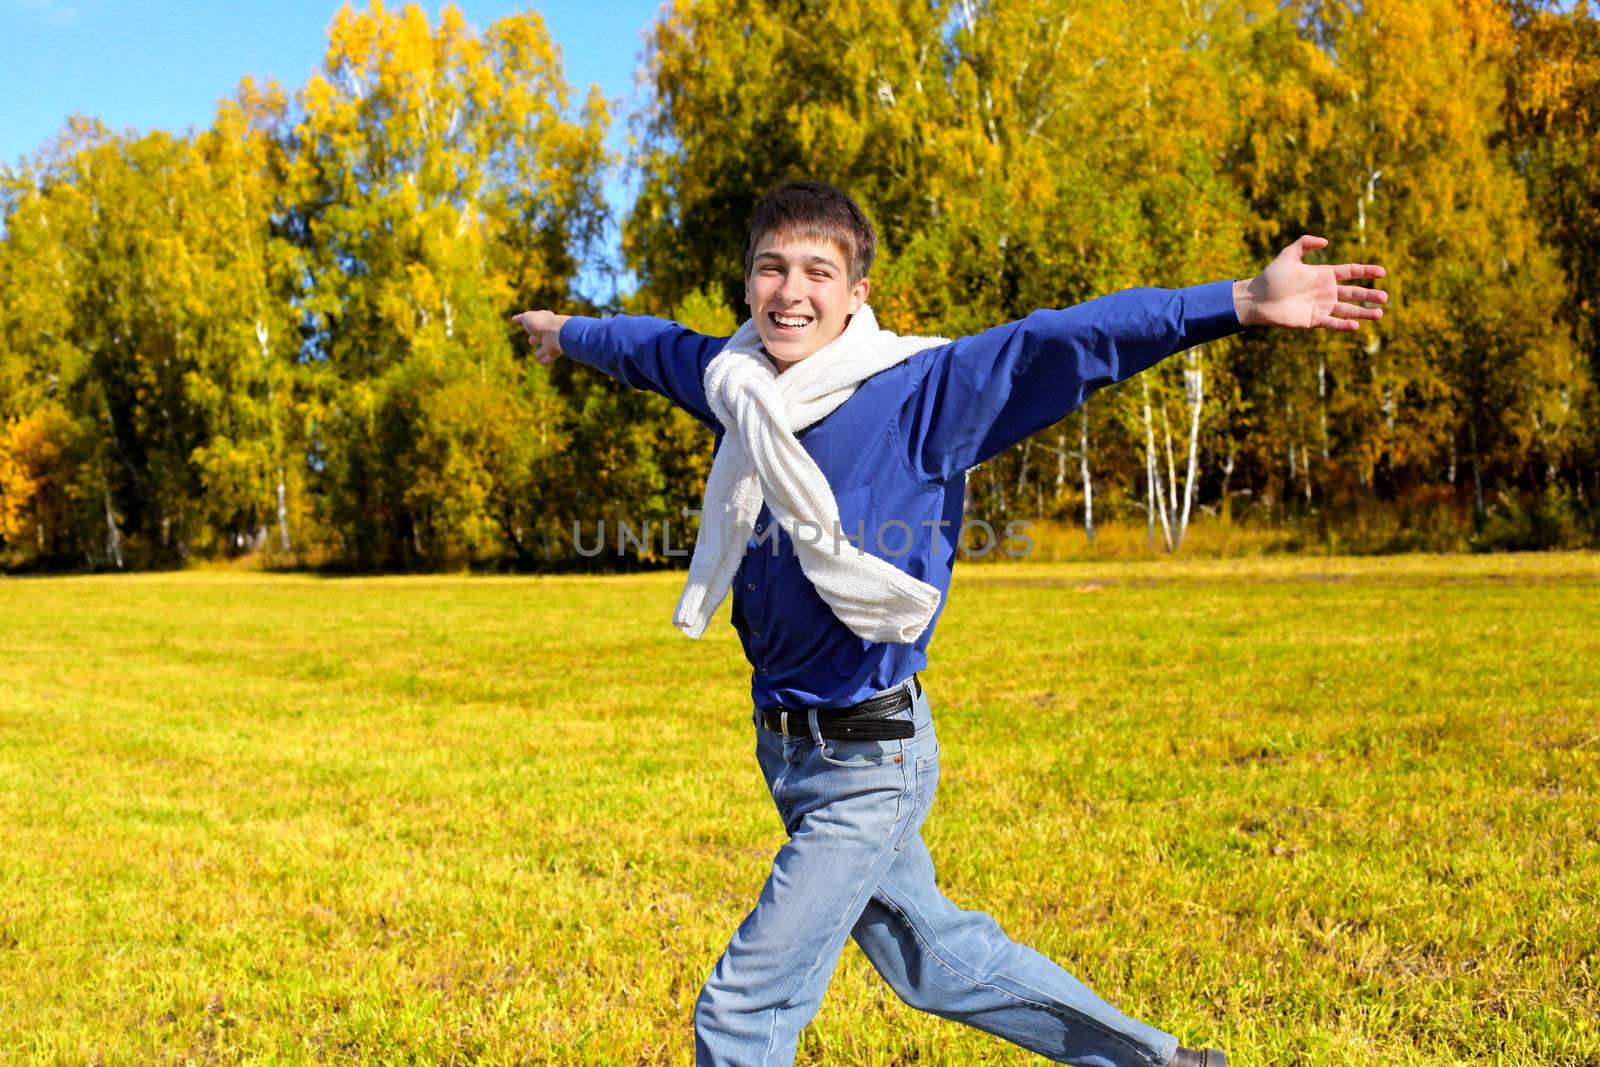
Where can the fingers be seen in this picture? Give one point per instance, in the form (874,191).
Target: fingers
(1355,311)
(1356,294)
(1296,252)
(1347,317)
(1354,272)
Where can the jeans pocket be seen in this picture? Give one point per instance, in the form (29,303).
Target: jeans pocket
(855,752)
(846,753)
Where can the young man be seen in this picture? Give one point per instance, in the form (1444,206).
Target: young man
(831,510)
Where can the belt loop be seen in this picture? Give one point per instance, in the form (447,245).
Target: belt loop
(783,722)
(815,728)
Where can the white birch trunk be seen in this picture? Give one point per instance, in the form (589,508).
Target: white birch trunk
(1192,377)
(283,515)
(113,536)
(1061,464)
(1172,470)
(1088,484)
(272,424)
(1022,470)
(1227,477)
(1322,399)
(1157,492)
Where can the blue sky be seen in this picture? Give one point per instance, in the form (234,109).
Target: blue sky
(146,64)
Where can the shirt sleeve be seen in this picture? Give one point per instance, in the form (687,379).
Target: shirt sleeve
(984,393)
(647,353)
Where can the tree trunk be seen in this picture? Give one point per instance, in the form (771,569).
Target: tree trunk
(1227,477)
(1477,472)
(1088,484)
(272,434)
(1022,468)
(1172,472)
(113,537)
(1157,492)
(1192,377)
(283,515)
(1322,399)
(1061,465)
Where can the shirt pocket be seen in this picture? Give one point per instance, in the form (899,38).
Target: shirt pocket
(857,517)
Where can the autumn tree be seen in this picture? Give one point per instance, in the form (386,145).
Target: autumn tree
(1552,114)
(1021,155)
(443,181)
(103,236)
(1401,166)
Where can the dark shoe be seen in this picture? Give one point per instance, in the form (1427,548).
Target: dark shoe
(1188,1057)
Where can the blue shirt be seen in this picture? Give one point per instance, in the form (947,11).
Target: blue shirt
(899,449)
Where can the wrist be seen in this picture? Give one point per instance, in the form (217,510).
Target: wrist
(1243,305)
(553,337)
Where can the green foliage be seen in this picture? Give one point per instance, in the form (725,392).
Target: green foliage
(439,185)
(152,310)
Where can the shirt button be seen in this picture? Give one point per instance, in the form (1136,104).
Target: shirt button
(755,633)
(750,586)
(758,527)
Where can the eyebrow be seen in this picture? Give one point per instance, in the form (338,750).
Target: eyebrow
(809,260)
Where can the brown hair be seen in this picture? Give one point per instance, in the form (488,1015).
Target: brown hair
(819,212)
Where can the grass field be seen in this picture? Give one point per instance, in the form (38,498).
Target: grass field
(1316,811)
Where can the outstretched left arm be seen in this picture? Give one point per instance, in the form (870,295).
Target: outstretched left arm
(981,394)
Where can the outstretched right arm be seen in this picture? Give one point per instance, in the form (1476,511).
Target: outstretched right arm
(641,351)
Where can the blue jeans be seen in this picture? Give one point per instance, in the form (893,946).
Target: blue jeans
(855,866)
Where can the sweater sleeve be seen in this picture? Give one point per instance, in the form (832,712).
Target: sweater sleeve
(647,353)
(981,394)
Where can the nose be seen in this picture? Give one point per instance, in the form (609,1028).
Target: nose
(793,287)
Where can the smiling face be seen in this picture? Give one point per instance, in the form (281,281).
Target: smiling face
(800,295)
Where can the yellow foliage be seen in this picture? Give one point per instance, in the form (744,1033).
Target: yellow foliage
(33,476)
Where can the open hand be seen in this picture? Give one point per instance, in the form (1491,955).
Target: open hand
(1294,294)
(544,330)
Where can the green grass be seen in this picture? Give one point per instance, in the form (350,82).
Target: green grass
(1316,811)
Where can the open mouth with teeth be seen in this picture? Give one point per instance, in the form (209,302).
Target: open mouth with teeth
(788,325)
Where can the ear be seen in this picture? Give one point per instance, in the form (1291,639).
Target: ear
(858,294)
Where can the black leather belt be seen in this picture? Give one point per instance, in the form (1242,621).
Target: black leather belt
(870,720)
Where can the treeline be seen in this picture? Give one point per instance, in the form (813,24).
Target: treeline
(288,333)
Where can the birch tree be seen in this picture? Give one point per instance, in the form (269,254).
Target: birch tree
(443,181)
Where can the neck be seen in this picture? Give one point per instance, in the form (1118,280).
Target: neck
(778,365)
